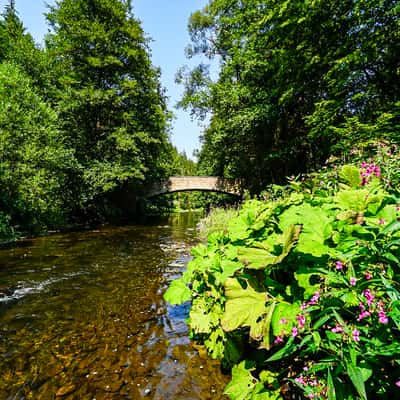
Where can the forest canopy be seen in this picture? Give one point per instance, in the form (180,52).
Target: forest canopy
(83,120)
(299,81)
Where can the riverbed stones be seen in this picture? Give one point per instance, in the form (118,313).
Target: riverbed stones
(113,333)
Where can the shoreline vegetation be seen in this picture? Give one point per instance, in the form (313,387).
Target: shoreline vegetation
(299,295)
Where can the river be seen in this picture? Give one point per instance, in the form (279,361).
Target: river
(82,317)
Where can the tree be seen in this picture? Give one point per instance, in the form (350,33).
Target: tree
(111,106)
(17,46)
(34,162)
(295,78)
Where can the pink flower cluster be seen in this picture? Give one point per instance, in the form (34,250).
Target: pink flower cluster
(339,266)
(301,319)
(312,302)
(314,388)
(355,333)
(372,307)
(368,170)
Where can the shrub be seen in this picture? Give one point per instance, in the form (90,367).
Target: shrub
(302,293)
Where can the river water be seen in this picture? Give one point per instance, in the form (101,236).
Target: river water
(82,317)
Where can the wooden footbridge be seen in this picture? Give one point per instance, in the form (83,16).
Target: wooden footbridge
(192,183)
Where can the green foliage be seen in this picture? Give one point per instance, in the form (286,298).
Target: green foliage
(303,292)
(6,231)
(216,221)
(110,102)
(299,81)
(35,162)
(83,122)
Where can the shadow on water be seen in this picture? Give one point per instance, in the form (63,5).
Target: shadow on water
(82,317)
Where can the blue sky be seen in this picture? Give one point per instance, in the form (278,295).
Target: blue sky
(165,22)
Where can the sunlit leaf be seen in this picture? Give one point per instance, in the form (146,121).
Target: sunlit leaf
(177,292)
(244,307)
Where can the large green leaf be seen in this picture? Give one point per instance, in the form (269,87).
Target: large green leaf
(359,200)
(204,316)
(354,200)
(356,375)
(262,393)
(177,293)
(284,318)
(303,278)
(244,307)
(256,258)
(260,258)
(350,174)
(240,228)
(242,382)
(215,344)
(228,269)
(316,228)
(199,251)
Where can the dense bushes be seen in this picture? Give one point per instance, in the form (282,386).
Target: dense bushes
(301,294)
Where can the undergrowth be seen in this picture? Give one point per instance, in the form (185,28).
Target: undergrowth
(300,294)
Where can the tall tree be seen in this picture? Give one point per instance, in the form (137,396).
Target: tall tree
(17,46)
(35,164)
(111,105)
(298,80)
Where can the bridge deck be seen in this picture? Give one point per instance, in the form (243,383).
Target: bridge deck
(202,183)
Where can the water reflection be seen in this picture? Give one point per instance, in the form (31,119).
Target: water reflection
(82,317)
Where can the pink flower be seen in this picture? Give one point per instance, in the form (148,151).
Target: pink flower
(356,335)
(367,170)
(301,319)
(283,321)
(337,329)
(339,265)
(369,296)
(363,314)
(278,340)
(381,221)
(294,331)
(353,281)
(383,319)
(300,379)
(368,276)
(397,383)
(314,299)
